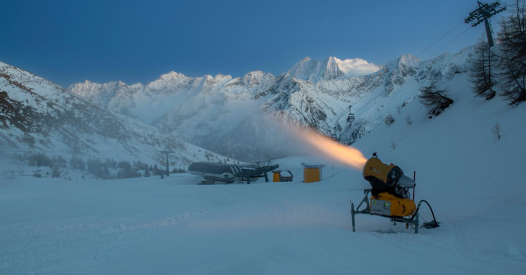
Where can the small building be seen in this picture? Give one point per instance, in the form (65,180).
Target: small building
(312,173)
(279,176)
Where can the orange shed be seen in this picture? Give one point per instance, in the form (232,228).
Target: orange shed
(312,173)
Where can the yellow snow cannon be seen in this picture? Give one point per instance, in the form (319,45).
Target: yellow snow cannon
(390,195)
(390,189)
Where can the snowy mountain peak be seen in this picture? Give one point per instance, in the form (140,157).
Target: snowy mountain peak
(410,60)
(220,77)
(403,61)
(39,115)
(254,78)
(172,76)
(331,68)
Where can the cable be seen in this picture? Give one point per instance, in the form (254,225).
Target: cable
(440,38)
(431,224)
(420,62)
(450,42)
(337,117)
(368,102)
(419,55)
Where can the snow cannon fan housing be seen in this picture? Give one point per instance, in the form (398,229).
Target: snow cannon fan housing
(390,189)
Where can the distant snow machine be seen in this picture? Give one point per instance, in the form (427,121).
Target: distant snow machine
(390,195)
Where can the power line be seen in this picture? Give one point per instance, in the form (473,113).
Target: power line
(450,42)
(440,38)
(420,62)
(418,65)
(369,101)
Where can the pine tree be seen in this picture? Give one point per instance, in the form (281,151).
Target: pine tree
(81,164)
(512,57)
(56,172)
(480,71)
(156,170)
(73,162)
(435,99)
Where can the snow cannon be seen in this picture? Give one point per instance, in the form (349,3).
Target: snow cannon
(386,178)
(390,195)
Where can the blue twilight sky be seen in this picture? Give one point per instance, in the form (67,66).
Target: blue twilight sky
(137,41)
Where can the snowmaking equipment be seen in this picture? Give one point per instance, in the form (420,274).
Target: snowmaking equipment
(390,196)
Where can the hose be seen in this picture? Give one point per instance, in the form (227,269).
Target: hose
(431,224)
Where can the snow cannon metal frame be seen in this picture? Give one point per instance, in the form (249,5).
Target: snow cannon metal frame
(390,197)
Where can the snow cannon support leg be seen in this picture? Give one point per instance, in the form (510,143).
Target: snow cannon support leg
(416,223)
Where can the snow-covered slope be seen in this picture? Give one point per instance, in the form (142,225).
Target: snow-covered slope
(210,111)
(474,183)
(39,116)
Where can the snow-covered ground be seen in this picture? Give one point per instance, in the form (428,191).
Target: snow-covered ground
(475,184)
(173,226)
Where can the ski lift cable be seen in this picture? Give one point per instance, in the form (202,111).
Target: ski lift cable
(427,59)
(347,110)
(456,26)
(339,115)
(347,129)
(440,38)
(337,118)
(450,42)
(369,101)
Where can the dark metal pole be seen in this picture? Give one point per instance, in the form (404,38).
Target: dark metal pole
(167,164)
(414,187)
(484,13)
(352,214)
(417,224)
(489,32)
(167,161)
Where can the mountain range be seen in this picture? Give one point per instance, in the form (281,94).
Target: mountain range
(36,115)
(238,117)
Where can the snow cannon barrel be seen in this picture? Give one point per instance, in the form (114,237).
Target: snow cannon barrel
(386,178)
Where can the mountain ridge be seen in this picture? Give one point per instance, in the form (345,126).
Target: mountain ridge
(38,115)
(210,109)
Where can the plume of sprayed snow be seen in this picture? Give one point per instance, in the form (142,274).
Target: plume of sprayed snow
(309,142)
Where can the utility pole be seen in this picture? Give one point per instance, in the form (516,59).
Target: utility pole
(483,13)
(167,152)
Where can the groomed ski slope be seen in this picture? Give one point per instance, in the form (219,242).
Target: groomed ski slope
(475,184)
